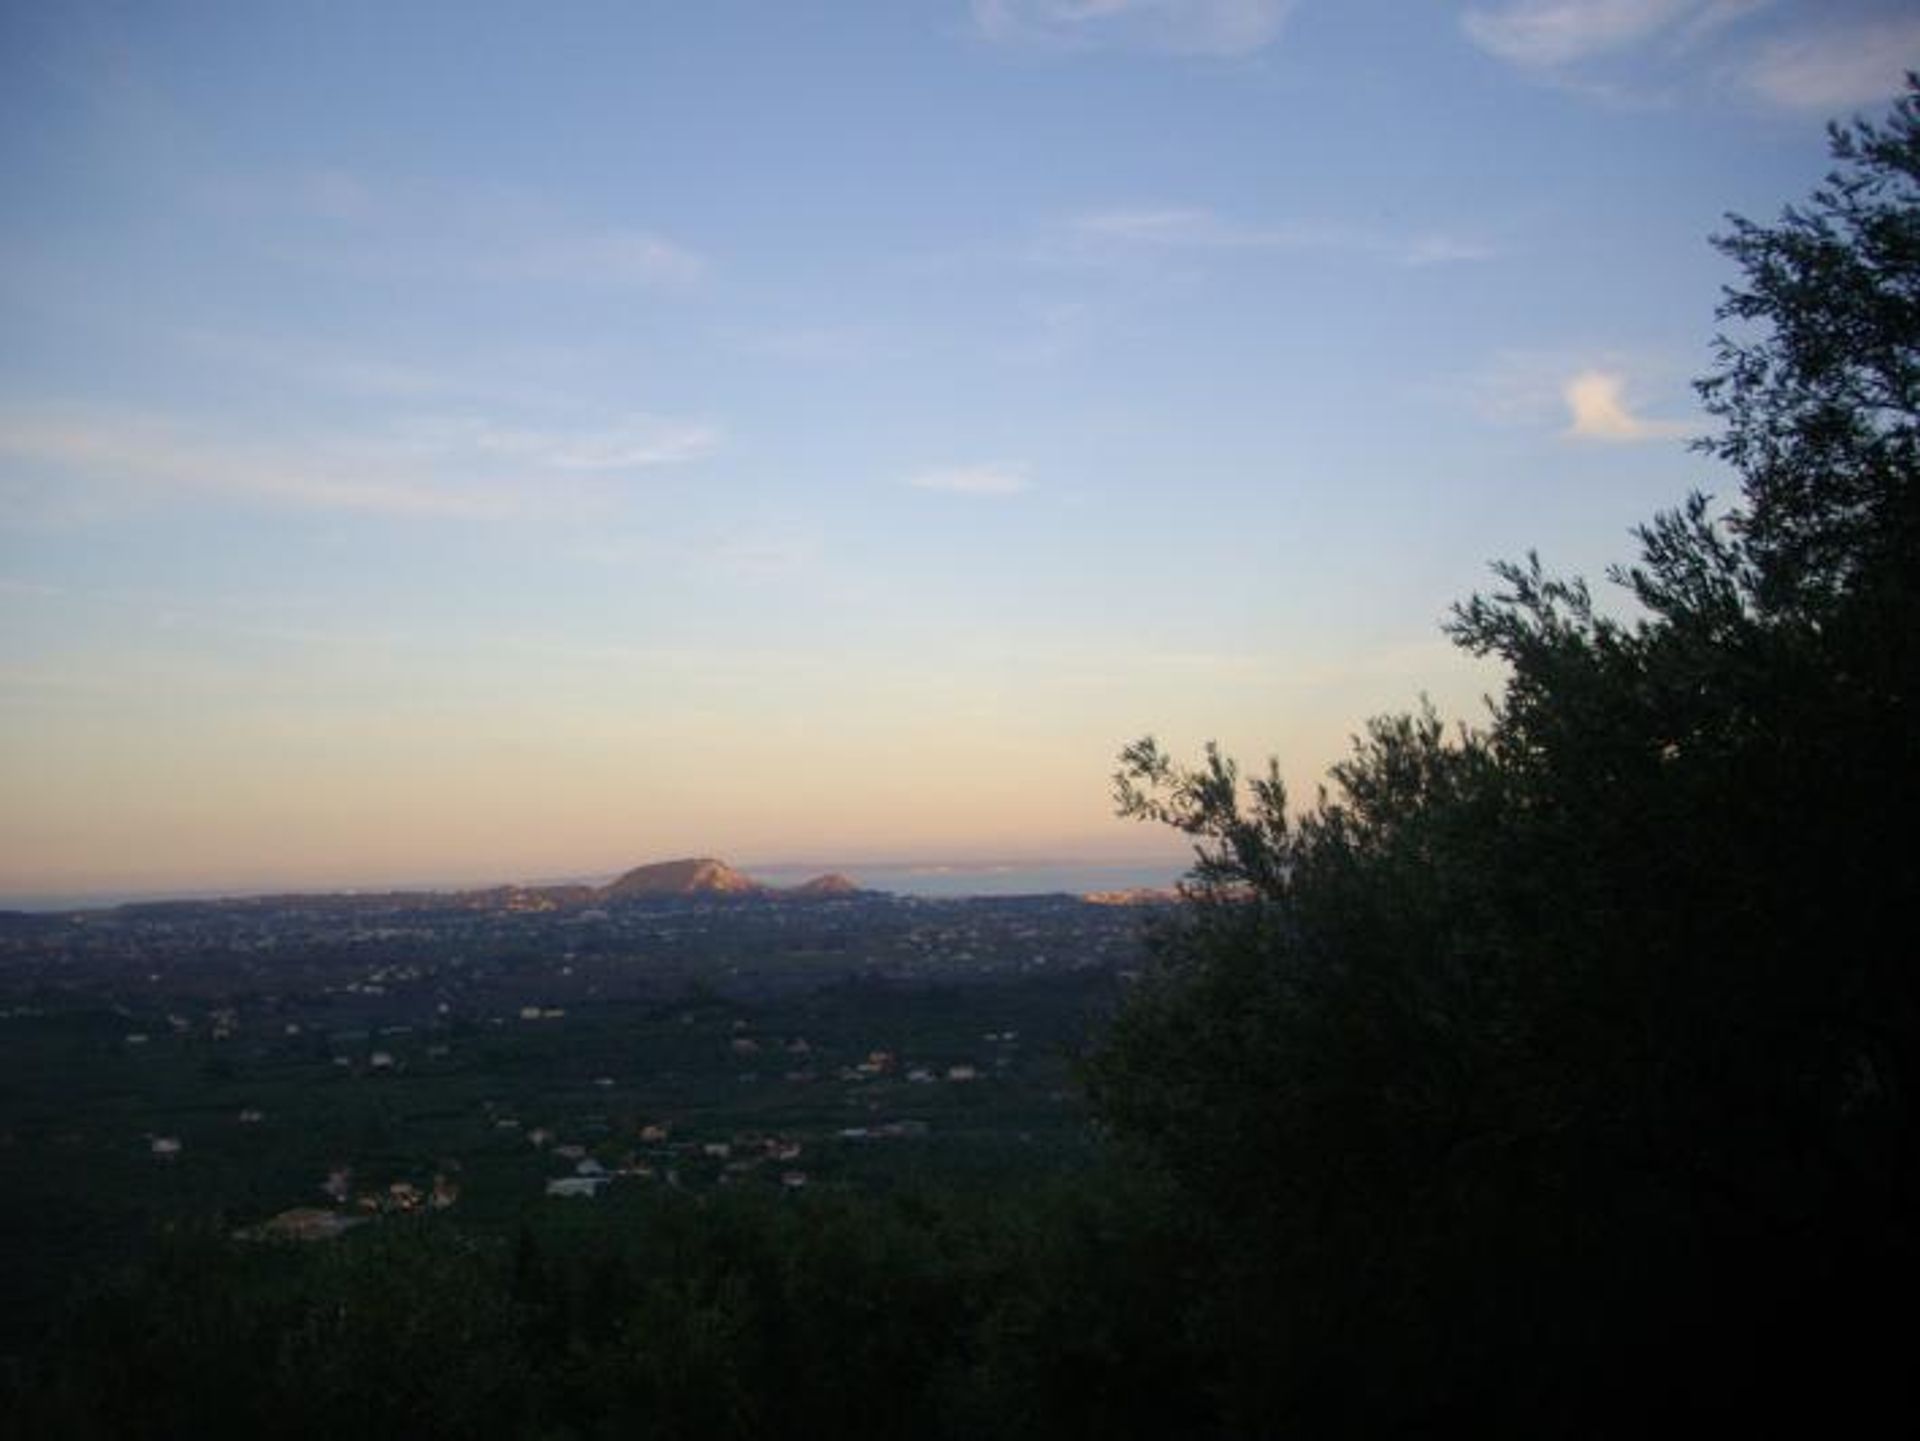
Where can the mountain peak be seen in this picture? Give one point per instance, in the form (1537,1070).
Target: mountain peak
(692,876)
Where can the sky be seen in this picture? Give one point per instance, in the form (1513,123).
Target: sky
(452,442)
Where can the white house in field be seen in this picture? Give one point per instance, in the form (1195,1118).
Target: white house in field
(577,1185)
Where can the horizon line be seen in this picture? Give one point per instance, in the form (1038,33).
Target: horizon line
(55,898)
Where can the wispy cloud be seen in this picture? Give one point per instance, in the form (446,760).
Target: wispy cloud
(1169,226)
(37,590)
(1710,19)
(765,554)
(155,454)
(1841,53)
(819,344)
(612,257)
(1181,27)
(1598,409)
(1050,331)
(519,375)
(1195,229)
(362,224)
(303,362)
(1547,33)
(463,468)
(635,442)
(1833,69)
(973,480)
(336,195)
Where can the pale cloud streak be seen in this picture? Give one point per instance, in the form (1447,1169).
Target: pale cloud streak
(340,220)
(157,455)
(1598,410)
(308,365)
(1840,54)
(1709,19)
(462,469)
(1169,226)
(516,378)
(611,257)
(765,554)
(1224,28)
(972,480)
(28,589)
(816,345)
(1835,69)
(1543,34)
(1199,229)
(636,442)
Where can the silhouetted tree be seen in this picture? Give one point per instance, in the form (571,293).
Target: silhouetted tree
(1546,1071)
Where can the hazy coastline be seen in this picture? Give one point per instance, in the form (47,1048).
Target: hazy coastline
(932,879)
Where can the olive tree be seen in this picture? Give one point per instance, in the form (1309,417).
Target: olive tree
(1566,1061)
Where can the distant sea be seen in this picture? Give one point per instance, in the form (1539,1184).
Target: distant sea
(1011,878)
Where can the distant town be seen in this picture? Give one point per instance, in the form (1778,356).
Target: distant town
(306,1064)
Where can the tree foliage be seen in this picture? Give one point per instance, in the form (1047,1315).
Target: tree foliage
(1037,1313)
(1820,407)
(1565,1063)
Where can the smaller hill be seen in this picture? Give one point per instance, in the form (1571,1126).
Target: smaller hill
(831,884)
(525,898)
(1134,896)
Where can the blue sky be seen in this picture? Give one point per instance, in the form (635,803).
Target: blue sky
(462,441)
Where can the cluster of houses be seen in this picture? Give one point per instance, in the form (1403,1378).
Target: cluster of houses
(355,1207)
(663,1158)
(396,1197)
